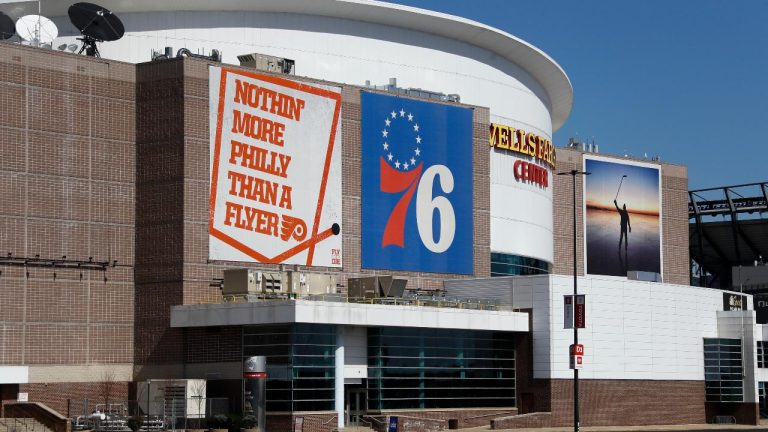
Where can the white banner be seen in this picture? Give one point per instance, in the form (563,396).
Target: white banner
(568,311)
(275,170)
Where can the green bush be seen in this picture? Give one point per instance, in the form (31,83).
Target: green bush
(234,422)
(248,422)
(219,421)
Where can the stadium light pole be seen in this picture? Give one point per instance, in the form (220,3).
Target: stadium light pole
(573,174)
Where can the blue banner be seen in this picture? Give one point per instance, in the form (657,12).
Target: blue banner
(416,185)
(392,424)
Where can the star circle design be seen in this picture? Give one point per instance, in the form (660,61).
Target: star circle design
(395,119)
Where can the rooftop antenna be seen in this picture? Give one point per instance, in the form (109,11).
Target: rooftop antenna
(96,24)
(37,30)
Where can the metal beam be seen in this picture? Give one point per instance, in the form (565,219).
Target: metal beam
(734,224)
(713,245)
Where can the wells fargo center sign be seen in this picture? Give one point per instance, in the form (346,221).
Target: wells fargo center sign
(529,145)
(275,170)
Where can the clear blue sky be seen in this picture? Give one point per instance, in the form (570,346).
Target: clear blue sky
(684,79)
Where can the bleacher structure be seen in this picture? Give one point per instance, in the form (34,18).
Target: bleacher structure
(726,230)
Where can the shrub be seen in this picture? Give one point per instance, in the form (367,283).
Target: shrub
(219,421)
(248,422)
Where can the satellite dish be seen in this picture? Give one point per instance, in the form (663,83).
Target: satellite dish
(7,29)
(61,47)
(36,29)
(72,47)
(96,24)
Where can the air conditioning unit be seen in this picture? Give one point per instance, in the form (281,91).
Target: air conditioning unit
(271,282)
(173,397)
(250,281)
(303,284)
(268,63)
(376,286)
(315,284)
(242,282)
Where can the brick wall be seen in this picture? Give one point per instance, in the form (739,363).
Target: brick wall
(67,189)
(172,207)
(563,214)
(159,210)
(674,187)
(677,261)
(420,420)
(313,422)
(408,421)
(73,399)
(523,421)
(629,402)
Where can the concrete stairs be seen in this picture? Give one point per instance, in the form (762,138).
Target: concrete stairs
(351,429)
(21,425)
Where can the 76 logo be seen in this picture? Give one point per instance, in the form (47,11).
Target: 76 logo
(426,204)
(416,151)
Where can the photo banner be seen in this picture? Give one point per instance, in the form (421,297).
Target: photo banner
(623,214)
(275,170)
(417,186)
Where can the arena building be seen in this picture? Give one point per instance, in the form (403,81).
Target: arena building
(369,215)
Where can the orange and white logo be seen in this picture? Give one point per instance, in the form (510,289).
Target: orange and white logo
(275,170)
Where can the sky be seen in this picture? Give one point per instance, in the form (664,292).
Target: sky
(639,190)
(686,80)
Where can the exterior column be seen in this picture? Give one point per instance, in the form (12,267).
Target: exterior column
(339,380)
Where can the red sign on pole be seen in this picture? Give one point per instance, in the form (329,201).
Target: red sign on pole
(577,356)
(581,311)
(577,349)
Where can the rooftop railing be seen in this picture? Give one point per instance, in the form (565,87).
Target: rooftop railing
(425,300)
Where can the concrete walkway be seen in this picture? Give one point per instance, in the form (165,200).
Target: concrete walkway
(662,428)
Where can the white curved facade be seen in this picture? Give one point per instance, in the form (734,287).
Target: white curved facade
(354,41)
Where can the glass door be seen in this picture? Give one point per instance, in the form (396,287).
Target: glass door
(357,406)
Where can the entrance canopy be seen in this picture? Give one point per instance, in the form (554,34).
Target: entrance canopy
(340,313)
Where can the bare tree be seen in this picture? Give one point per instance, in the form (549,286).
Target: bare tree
(107,386)
(198,391)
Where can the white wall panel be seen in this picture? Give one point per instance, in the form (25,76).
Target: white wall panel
(635,329)
(14,374)
(661,326)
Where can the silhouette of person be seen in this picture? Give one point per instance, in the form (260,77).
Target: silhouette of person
(624,224)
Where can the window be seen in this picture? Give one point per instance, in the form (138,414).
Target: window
(435,368)
(762,354)
(514,265)
(723,372)
(300,364)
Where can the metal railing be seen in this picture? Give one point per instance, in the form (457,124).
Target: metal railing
(406,300)
(157,415)
(21,425)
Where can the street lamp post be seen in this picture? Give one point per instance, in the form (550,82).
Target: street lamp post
(573,174)
(149,383)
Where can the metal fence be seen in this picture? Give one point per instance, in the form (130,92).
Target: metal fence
(163,414)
